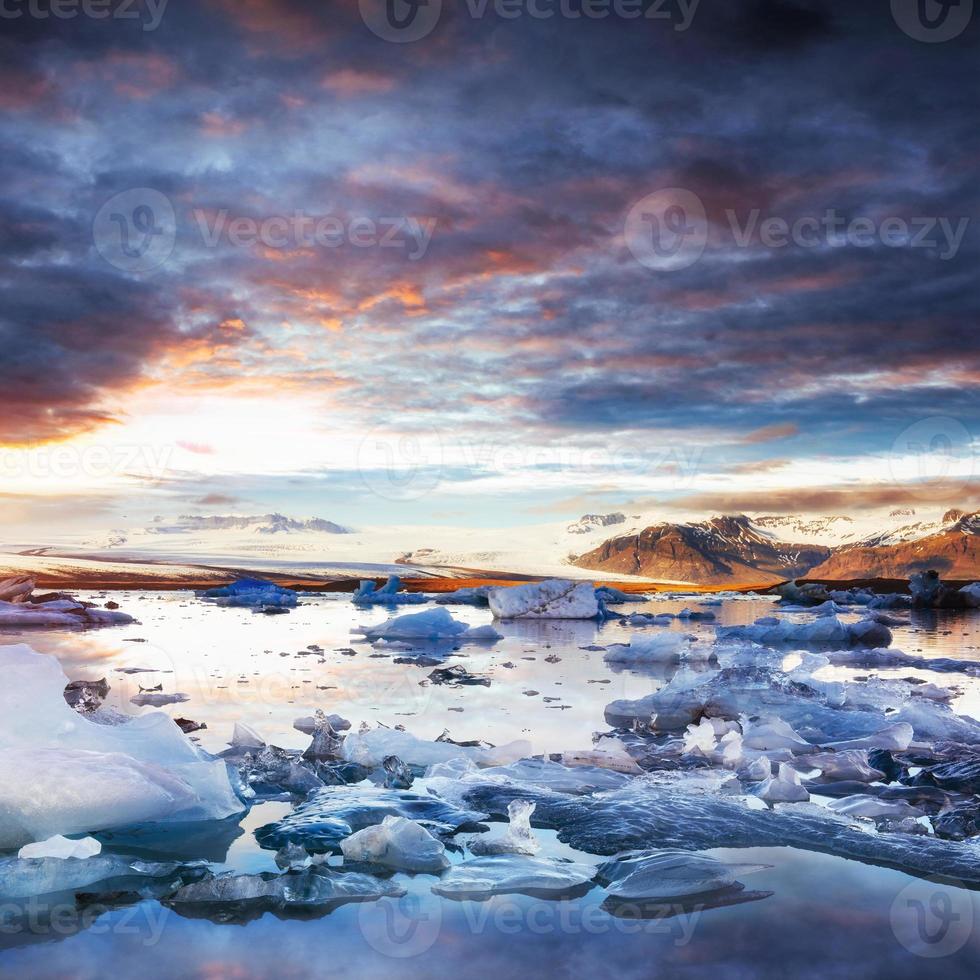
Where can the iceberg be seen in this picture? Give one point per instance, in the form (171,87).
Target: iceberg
(659,876)
(368,594)
(234,897)
(553,599)
(371,748)
(62,773)
(659,648)
(397,843)
(478,596)
(823,633)
(22,878)
(971,595)
(616,597)
(251,593)
(429,626)
(330,815)
(58,614)
(509,874)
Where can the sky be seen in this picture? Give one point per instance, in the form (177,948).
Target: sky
(487,263)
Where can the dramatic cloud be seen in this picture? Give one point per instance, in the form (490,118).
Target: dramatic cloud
(262,199)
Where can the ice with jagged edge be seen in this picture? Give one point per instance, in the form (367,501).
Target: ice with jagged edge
(429,626)
(61,773)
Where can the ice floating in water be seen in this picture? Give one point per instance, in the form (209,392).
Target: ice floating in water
(553,599)
(307,724)
(26,878)
(609,753)
(971,595)
(61,847)
(251,593)
(332,814)
(658,876)
(157,699)
(478,596)
(398,843)
(429,626)
(578,780)
(246,738)
(371,748)
(517,839)
(616,597)
(824,633)
(226,898)
(64,613)
(61,773)
(659,648)
(368,594)
(509,874)
(771,734)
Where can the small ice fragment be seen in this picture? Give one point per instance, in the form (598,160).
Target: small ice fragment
(517,839)
(785,787)
(61,847)
(504,874)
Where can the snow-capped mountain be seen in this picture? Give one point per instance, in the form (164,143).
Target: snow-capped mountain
(718,551)
(743,550)
(264,524)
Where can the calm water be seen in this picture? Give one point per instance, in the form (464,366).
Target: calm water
(827,916)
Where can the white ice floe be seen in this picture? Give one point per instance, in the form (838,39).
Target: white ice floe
(62,848)
(658,648)
(431,625)
(895,738)
(373,747)
(517,839)
(771,734)
(553,599)
(58,614)
(397,843)
(61,773)
(504,874)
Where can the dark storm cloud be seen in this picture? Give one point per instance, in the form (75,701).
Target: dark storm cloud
(526,142)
